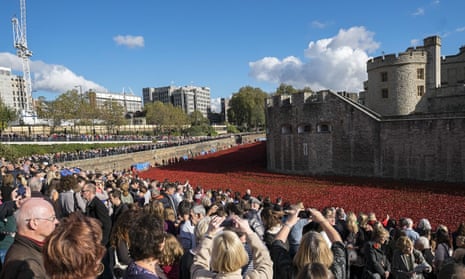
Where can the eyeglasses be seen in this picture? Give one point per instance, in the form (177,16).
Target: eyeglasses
(83,191)
(51,219)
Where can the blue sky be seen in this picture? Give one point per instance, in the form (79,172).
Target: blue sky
(222,44)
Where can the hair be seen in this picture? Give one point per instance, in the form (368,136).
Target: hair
(422,243)
(315,271)
(67,183)
(379,233)
(362,220)
(156,208)
(199,209)
(403,243)
(146,237)
(120,230)
(442,236)
(201,228)
(230,254)
(35,184)
(91,187)
(270,218)
(313,249)
(116,193)
(351,222)
(170,214)
(73,250)
(172,251)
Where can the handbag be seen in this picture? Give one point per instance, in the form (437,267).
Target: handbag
(118,264)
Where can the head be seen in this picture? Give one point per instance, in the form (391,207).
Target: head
(35,184)
(201,228)
(36,219)
(313,249)
(197,213)
(230,253)
(351,222)
(88,191)
(422,243)
(255,203)
(146,237)
(172,251)
(315,271)
(380,234)
(73,250)
(404,244)
(330,214)
(115,197)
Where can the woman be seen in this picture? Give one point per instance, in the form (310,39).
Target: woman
(170,260)
(315,271)
(73,250)
(443,247)
(222,253)
(272,221)
(313,248)
(377,264)
(354,241)
(147,239)
(408,262)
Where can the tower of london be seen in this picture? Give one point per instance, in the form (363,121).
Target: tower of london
(408,123)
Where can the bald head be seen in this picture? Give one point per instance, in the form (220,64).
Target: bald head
(35,219)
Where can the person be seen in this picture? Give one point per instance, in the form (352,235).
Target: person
(272,222)
(35,220)
(443,245)
(186,230)
(66,197)
(313,248)
(253,215)
(377,265)
(96,209)
(74,249)
(315,271)
(354,241)
(222,253)
(407,228)
(408,262)
(423,245)
(118,206)
(188,258)
(147,240)
(171,257)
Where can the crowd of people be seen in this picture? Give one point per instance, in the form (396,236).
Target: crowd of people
(71,223)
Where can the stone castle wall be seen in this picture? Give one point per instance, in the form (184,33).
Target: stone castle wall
(326,134)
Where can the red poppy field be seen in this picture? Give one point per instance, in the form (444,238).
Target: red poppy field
(244,167)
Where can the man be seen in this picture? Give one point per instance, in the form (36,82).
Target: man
(97,209)
(118,206)
(168,200)
(407,228)
(186,230)
(253,215)
(35,220)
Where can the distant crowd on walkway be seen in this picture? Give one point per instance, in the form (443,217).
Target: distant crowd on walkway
(72,223)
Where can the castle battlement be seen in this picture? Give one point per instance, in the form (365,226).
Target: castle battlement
(412,55)
(297,99)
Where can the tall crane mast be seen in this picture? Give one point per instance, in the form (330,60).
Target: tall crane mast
(23,52)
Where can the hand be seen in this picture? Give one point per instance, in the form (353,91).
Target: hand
(215,225)
(317,216)
(241,225)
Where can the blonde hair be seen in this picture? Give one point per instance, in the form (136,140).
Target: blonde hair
(172,251)
(170,215)
(230,254)
(313,249)
(403,242)
(351,222)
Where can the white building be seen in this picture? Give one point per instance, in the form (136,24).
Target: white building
(189,98)
(129,102)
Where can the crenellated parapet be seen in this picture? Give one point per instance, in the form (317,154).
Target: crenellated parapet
(297,99)
(417,55)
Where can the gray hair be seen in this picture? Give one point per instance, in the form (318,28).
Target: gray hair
(199,209)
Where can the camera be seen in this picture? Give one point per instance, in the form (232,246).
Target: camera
(305,214)
(228,223)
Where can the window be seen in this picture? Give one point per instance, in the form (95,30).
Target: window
(323,128)
(384,93)
(286,129)
(305,128)
(420,90)
(384,76)
(421,73)
(305,149)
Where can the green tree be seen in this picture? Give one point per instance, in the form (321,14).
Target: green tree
(196,118)
(112,114)
(247,107)
(165,116)
(7,114)
(285,89)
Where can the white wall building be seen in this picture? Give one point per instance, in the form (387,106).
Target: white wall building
(130,102)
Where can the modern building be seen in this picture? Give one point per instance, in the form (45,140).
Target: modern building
(409,123)
(12,91)
(189,98)
(128,101)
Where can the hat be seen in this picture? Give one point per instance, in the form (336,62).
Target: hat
(65,172)
(255,200)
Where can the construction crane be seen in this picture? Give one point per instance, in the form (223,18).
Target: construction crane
(23,52)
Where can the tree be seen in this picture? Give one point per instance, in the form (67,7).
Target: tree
(196,118)
(285,89)
(247,107)
(165,116)
(7,114)
(112,114)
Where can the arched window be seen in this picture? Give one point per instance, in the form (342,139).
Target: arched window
(286,129)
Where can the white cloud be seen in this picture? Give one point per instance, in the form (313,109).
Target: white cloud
(129,41)
(216,104)
(318,24)
(49,77)
(337,63)
(419,12)
(460,29)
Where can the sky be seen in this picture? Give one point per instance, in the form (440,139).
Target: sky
(124,46)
